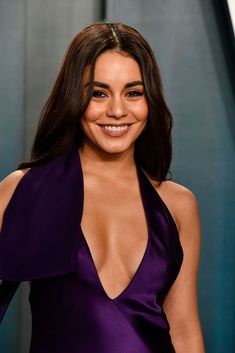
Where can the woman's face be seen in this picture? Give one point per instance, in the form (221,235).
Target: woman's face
(118,110)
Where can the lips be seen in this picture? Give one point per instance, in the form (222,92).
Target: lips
(115,130)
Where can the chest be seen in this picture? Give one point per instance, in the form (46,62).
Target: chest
(115,228)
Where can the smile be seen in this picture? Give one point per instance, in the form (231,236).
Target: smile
(112,130)
(115,128)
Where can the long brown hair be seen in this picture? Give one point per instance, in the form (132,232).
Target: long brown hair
(59,127)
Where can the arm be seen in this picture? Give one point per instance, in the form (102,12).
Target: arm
(7,188)
(181,305)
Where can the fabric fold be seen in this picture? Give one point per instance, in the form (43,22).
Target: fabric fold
(40,224)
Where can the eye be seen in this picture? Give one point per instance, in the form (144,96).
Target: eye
(99,94)
(135,93)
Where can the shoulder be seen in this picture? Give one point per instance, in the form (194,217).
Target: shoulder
(7,188)
(181,197)
(181,202)
(10,182)
(184,207)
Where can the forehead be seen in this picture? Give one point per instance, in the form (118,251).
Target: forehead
(115,66)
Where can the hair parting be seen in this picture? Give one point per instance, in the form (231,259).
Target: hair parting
(115,35)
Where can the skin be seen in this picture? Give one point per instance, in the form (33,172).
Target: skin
(110,181)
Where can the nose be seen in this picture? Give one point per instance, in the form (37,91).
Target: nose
(116,108)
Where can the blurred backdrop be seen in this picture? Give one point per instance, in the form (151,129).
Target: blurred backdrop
(194,47)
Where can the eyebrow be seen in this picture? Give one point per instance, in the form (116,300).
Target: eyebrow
(105,85)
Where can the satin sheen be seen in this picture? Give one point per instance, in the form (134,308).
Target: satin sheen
(42,241)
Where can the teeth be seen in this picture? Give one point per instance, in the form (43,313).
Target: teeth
(115,128)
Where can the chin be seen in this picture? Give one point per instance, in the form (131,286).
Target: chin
(115,149)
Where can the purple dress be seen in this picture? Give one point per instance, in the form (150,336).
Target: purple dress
(42,241)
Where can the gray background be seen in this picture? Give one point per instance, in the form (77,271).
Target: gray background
(193,47)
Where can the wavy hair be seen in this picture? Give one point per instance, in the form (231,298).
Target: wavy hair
(59,129)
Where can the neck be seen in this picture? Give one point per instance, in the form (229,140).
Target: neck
(107,164)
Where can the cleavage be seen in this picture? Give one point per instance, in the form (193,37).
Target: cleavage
(115,229)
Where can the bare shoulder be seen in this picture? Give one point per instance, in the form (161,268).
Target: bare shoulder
(7,188)
(179,194)
(181,202)
(10,182)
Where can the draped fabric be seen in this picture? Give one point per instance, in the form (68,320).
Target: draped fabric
(42,241)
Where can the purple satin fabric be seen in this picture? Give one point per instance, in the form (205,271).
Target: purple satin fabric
(42,241)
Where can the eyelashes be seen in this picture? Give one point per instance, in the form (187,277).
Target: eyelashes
(99,94)
(135,93)
(132,94)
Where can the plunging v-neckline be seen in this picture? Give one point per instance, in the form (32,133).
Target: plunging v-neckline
(139,267)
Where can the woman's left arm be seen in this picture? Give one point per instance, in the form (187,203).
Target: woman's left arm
(181,303)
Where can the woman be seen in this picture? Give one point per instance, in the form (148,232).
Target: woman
(109,244)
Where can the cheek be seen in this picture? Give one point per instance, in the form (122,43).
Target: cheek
(90,116)
(92,113)
(141,111)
